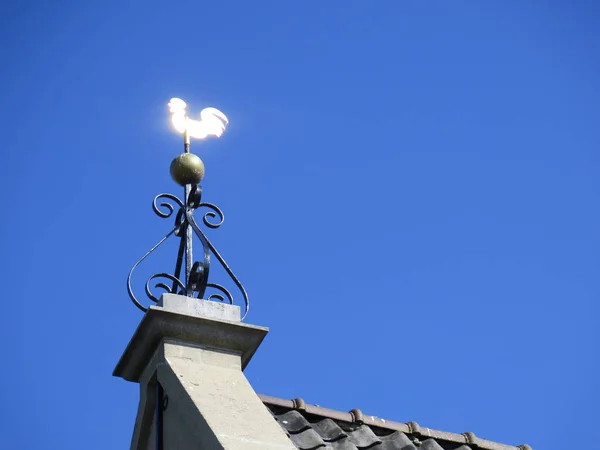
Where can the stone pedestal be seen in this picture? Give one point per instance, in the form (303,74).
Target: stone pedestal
(188,356)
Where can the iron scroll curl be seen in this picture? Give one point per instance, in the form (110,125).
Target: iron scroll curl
(192,221)
(132,296)
(168,206)
(194,281)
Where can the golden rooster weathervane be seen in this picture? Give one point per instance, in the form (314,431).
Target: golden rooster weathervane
(212,121)
(190,277)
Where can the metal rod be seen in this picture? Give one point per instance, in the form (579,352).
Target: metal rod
(189,256)
(186,141)
(188,232)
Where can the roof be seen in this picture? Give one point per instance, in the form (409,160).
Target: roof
(312,427)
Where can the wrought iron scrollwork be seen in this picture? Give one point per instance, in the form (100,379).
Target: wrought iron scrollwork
(168,206)
(194,281)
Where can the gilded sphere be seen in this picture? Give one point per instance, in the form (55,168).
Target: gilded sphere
(187,168)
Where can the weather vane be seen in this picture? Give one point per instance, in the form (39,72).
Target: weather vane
(187,170)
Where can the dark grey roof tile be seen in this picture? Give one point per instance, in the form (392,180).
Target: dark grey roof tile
(430,444)
(329,430)
(363,437)
(293,422)
(307,440)
(311,427)
(396,441)
(342,444)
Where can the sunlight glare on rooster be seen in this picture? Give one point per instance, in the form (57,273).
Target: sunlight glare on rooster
(212,121)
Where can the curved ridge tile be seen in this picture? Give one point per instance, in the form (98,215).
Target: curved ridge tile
(329,430)
(430,444)
(463,447)
(293,422)
(363,437)
(396,441)
(307,440)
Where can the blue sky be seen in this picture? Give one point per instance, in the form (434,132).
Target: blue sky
(410,191)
